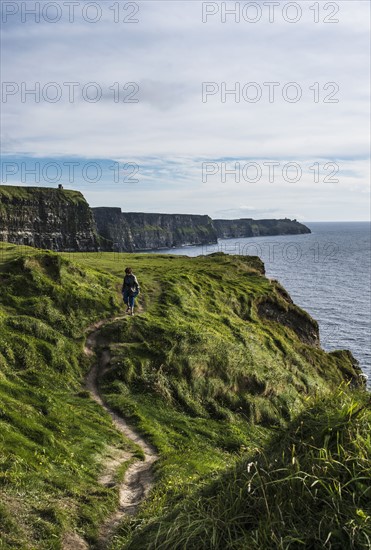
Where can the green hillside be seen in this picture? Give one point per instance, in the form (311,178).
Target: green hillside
(52,436)
(308,487)
(204,370)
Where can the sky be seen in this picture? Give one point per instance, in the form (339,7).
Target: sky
(232,109)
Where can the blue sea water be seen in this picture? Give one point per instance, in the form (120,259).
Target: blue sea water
(326,272)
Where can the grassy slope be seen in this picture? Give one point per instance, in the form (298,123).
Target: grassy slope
(199,372)
(309,488)
(51,435)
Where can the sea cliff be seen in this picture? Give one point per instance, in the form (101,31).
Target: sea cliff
(134,231)
(247,227)
(62,220)
(130,231)
(54,219)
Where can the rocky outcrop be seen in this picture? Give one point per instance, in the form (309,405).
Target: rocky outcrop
(247,227)
(130,231)
(292,317)
(55,219)
(280,308)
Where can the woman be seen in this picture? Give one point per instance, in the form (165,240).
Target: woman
(130,290)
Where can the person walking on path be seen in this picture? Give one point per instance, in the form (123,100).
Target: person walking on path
(130,290)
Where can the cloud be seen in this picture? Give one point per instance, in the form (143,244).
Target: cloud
(246,212)
(169,54)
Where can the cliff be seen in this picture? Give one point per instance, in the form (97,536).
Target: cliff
(130,231)
(58,219)
(55,219)
(247,227)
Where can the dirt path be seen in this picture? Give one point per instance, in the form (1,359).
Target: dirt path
(138,477)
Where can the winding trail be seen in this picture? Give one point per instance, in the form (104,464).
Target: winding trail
(139,476)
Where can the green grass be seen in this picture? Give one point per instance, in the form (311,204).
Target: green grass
(199,371)
(201,374)
(53,437)
(202,348)
(308,487)
(10,192)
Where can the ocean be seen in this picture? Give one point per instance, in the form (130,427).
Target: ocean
(326,272)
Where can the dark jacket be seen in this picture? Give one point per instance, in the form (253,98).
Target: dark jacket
(130,284)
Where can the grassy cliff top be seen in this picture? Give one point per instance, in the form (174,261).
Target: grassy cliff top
(217,360)
(13,192)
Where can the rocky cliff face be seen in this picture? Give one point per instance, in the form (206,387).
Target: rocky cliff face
(247,227)
(46,218)
(58,219)
(140,231)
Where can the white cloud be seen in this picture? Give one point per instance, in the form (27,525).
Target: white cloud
(169,53)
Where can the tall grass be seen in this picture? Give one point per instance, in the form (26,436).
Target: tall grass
(309,487)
